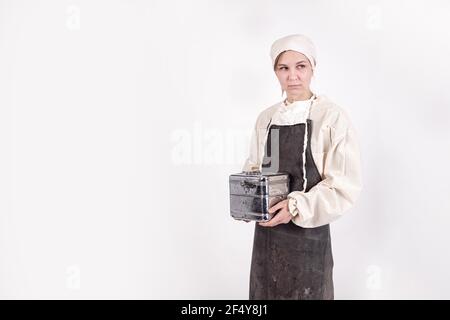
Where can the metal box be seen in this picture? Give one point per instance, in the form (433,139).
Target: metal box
(253,193)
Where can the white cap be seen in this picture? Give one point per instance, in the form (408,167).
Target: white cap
(295,42)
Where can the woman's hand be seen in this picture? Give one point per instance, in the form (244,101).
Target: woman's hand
(283,216)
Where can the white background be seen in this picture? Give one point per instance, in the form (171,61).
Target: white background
(120,122)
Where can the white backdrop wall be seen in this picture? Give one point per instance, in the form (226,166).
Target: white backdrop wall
(120,122)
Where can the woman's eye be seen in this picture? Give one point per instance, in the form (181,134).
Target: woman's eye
(302,65)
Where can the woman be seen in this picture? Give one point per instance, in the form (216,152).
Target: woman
(312,139)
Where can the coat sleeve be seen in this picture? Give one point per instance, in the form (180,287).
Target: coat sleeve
(341,184)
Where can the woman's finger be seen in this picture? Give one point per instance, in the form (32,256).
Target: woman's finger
(276,207)
(273,209)
(271,223)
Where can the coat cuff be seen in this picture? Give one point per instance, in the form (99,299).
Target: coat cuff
(298,206)
(292,205)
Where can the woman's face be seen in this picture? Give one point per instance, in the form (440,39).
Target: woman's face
(294,72)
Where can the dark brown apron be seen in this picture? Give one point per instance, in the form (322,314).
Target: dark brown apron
(288,261)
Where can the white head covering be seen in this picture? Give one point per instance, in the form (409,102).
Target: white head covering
(295,42)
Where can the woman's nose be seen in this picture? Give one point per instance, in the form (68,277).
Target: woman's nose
(293,75)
